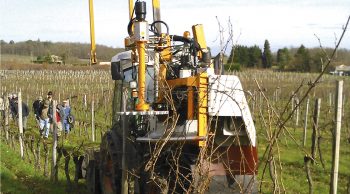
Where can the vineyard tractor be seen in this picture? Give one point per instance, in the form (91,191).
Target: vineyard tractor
(179,124)
(49,59)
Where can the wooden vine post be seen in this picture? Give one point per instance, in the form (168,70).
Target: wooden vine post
(7,115)
(54,144)
(93,120)
(307,160)
(297,111)
(336,138)
(305,124)
(315,128)
(20,123)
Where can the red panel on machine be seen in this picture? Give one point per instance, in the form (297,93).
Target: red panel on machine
(243,159)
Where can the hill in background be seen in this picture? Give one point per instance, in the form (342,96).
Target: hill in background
(71,53)
(21,55)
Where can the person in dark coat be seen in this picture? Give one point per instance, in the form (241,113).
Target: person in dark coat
(50,111)
(25,113)
(37,105)
(12,98)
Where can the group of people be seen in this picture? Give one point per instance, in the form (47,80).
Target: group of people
(43,112)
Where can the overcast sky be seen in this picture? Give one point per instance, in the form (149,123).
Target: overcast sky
(284,23)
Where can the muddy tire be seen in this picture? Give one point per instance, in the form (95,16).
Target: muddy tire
(91,171)
(110,164)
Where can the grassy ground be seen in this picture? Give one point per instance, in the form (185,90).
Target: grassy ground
(16,59)
(18,176)
(293,168)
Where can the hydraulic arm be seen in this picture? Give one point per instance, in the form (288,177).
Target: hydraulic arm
(93,59)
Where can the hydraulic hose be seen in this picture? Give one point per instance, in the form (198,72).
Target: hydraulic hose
(154,28)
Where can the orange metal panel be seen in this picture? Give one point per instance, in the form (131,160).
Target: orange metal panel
(201,83)
(190,105)
(188,81)
(166,52)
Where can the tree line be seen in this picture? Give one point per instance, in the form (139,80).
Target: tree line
(66,50)
(299,59)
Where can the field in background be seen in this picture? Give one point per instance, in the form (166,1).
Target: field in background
(83,87)
(21,59)
(23,62)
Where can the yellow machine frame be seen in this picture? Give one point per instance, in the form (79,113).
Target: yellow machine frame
(200,82)
(93,59)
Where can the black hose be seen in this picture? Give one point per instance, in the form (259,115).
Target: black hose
(194,45)
(154,28)
(131,22)
(180,39)
(194,50)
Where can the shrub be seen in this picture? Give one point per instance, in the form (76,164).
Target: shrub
(232,67)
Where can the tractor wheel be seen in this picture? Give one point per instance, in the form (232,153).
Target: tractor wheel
(91,171)
(110,165)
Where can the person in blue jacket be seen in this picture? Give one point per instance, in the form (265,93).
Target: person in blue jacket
(67,112)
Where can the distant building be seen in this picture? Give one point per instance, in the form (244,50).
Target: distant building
(341,70)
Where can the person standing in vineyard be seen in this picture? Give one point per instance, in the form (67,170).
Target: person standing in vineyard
(37,106)
(2,109)
(50,109)
(67,115)
(44,119)
(59,117)
(49,98)
(12,98)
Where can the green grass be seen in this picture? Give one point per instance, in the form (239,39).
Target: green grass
(16,58)
(10,183)
(293,169)
(19,176)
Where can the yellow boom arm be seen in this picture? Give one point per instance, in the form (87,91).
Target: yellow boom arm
(93,59)
(156,14)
